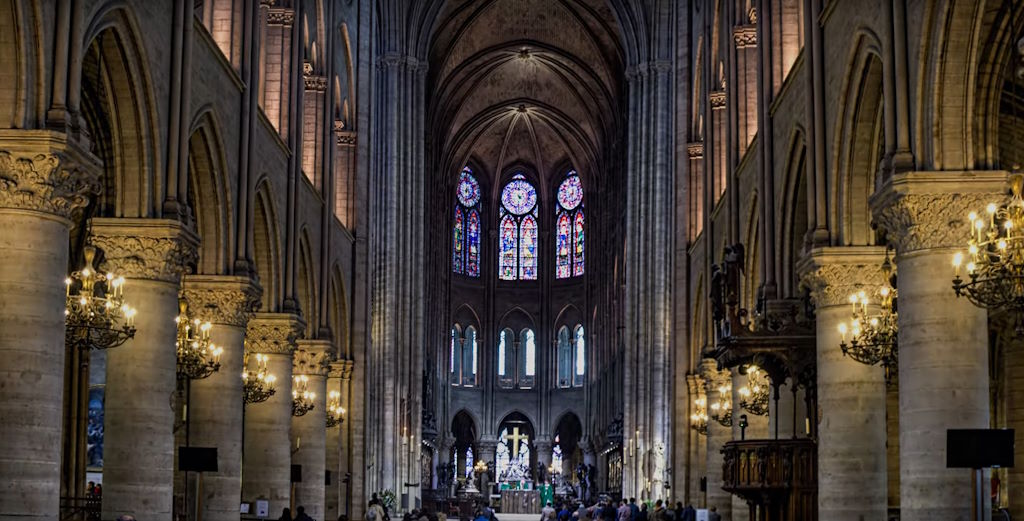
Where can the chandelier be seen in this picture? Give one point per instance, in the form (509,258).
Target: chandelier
(258,385)
(721,410)
(335,412)
(96,316)
(699,419)
(302,397)
(197,357)
(754,395)
(995,257)
(873,334)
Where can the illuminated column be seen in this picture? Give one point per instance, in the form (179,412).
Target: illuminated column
(309,431)
(717,436)
(138,423)
(43,185)
(215,416)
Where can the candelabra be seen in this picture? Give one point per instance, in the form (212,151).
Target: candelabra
(995,257)
(699,418)
(197,357)
(335,412)
(754,395)
(302,397)
(873,334)
(96,316)
(721,410)
(258,385)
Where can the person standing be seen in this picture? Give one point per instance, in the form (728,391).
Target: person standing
(624,513)
(713,514)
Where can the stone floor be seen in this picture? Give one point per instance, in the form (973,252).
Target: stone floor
(518,517)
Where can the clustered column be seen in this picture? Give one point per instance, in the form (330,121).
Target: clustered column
(851,437)
(215,416)
(138,464)
(309,431)
(717,436)
(44,182)
(266,465)
(943,361)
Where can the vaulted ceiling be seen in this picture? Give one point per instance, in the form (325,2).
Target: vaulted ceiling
(525,82)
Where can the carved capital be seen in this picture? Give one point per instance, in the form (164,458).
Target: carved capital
(718,99)
(833,274)
(41,171)
(280,16)
(745,36)
(314,83)
(312,357)
(345,137)
(695,150)
(711,376)
(273,333)
(928,210)
(226,300)
(342,369)
(151,249)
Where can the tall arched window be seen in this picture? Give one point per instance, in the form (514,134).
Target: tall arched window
(518,228)
(466,226)
(463,356)
(506,359)
(569,234)
(571,357)
(527,358)
(517,359)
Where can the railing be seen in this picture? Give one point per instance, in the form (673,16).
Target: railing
(776,477)
(80,508)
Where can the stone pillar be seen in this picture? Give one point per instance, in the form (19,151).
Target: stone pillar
(43,183)
(333,450)
(309,431)
(266,464)
(943,363)
(138,463)
(544,449)
(717,436)
(788,415)
(851,437)
(697,446)
(487,448)
(757,429)
(214,415)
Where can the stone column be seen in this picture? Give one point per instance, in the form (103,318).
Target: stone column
(42,183)
(487,448)
(309,431)
(333,450)
(138,463)
(544,449)
(851,395)
(266,463)
(757,429)
(717,436)
(943,364)
(214,415)
(697,445)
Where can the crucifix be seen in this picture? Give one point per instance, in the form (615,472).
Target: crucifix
(516,439)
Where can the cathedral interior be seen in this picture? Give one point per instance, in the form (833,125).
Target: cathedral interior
(432,253)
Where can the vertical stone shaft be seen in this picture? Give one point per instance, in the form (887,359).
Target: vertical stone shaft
(215,415)
(943,360)
(332,454)
(309,431)
(32,267)
(266,464)
(138,463)
(718,435)
(851,395)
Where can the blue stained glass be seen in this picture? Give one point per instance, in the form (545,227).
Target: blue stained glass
(507,248)
(469,188)
(457,241)
(519,196)
(563,238)
(473,244)
(578,242)
(528,248)
(570,192)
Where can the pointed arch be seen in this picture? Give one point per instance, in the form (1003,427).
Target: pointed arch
(209,196)
(267,246)
(794,222)
(338,313)
(307,284)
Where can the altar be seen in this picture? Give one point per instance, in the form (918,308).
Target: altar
(520,501)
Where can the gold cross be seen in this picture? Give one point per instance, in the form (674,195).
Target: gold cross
(516,439)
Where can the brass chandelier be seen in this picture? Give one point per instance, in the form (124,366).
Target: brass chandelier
(96,315)
(721,410)
(754,395)
(873,334)
(335,412)
(198,358)
(699,418)
(302,397)
(994,261)
(258,385)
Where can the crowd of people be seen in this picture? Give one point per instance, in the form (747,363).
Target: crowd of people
(623,510)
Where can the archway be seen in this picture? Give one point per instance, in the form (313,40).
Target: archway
(464,431)
(515,460)
(567,456)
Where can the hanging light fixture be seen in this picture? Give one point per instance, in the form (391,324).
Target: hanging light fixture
(258,385)
(754,395)
(96,315)
(335,412)
(699,418)
(721,410)
(302,397)
(873,334)
(994,261)
(197,357)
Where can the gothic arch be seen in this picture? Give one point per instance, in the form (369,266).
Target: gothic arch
(209,195)
(570,315)
(995,70)
(306,287)
(752,250)
(857,144)
(118,100)
(17,24)
(516,318)
(510,413)
(465,315)
(267,246)
(793,213)
(337,309)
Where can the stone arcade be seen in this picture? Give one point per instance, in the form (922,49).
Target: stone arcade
(510,250)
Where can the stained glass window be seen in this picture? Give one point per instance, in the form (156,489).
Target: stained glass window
(579,356)
(556,454)
(527,358)
(564,358)
(569,234)
(469,358)
(511,469)
(455,358)
(466,226)
(468,470)
(518,231)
